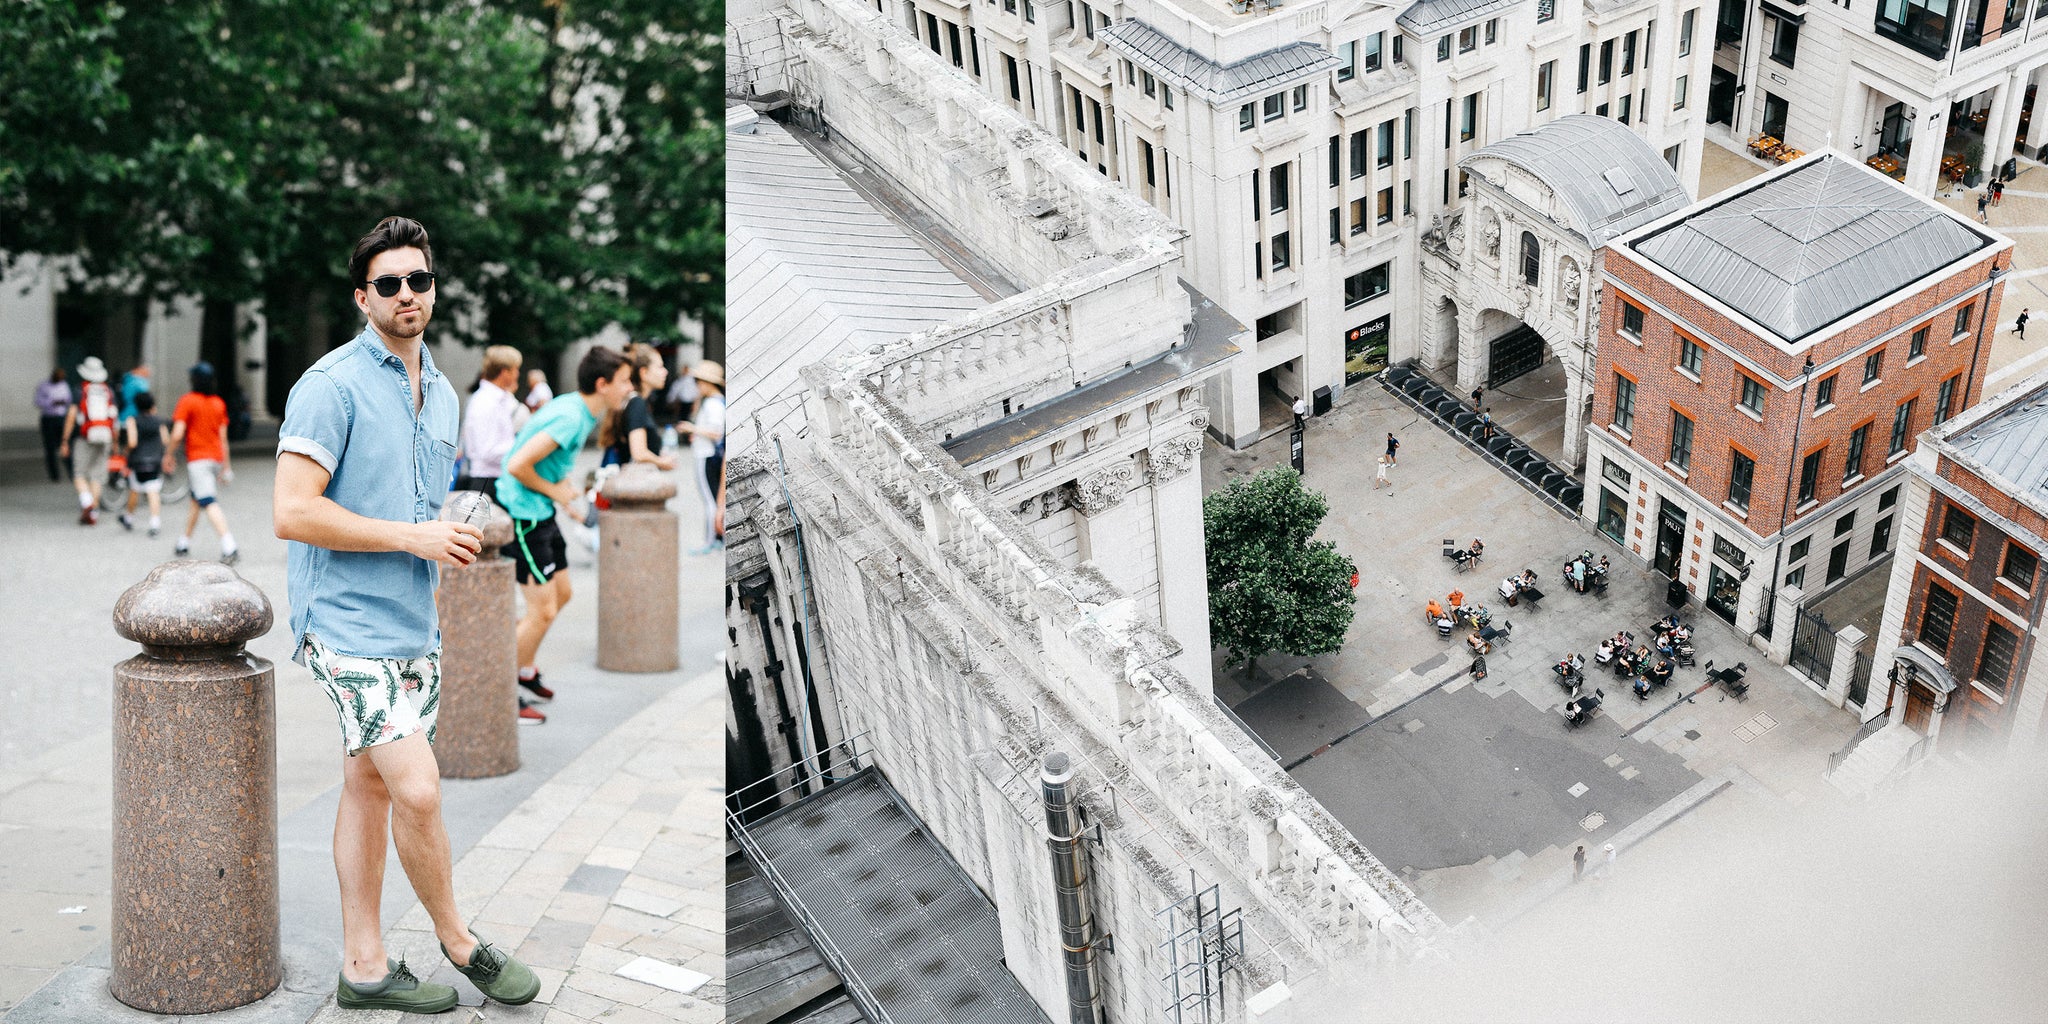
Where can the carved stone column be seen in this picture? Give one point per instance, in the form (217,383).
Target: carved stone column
(1183,558)
(1113,530)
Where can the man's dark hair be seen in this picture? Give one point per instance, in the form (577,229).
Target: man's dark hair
(597,366)
(390,233)
(145,402)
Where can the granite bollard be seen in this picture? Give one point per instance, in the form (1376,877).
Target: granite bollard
(195,901)
(477,734)
(638,565)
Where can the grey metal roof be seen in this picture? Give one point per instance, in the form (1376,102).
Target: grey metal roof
(1429,17)
(906,927)
(1194,73)
(813,269)
(1810,245)
(1610,178)
(2012,444)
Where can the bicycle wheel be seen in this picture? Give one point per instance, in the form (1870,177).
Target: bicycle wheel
(175,487)
(114,493)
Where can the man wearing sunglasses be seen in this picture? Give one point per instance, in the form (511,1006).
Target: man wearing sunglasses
(363,464)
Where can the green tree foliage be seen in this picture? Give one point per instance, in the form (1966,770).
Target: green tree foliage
(1272,587)
(566,158)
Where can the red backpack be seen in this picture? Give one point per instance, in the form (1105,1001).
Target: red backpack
(96,412)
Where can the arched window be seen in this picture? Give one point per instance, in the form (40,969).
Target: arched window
(1532,257)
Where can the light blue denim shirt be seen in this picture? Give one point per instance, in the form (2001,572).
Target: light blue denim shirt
(352,413)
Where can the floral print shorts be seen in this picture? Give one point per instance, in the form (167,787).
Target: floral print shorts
(380,700)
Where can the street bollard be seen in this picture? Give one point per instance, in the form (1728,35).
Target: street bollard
(638,564)
(477,734)
(195,901)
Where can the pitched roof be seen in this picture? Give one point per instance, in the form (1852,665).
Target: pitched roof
(1610,178)
(1194,73)
(1810,245)
(1428,17)
(2010,443)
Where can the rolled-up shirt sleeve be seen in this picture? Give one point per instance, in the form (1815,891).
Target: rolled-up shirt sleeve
(316,421)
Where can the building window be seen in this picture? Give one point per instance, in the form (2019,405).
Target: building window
(1776,110)
(1846,525)
(1087,21)
(1358,216)
(1945,399)
(1881,537)
(1622,114)
(1681,441)
(1994,665)
(1151,172)
(1963,319)
(1408,134)
(1853,467)
(1278,191)
(1959,528)
(1752,394)
(1918,346)
(1384,155)
(1367,285)
(1275,106)
(1095,110)
(1671,156)
(1492,30)
(1809,475)
(1359,141)
(1258,207)
(1336,225)
(1148,84)
(1922,25)
(1246,117)
(1902,422)
(1741,475)
(1544,76)
(1443,49)
(1678,94)
(1784,42)
(1166,96)
(1468,124)
(1468,39)
(1873,367)
(1938,620)
(1888,499)
(1348,55)
(1545,10)
(1796,578)
(1301,97)
(1282,257)
(1030,12)
(1690,355)
(1585,64)
(1628,54)
(1386,205)
(1010,68)
(1685,32)
(1632,321)
(1372,51)
(2019,568)
(1799,549)
(1606,62)
(1824,392)
(1532,258)
(1336,158)
(1624,403)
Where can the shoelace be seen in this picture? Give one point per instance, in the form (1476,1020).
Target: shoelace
(403,973)
(486,962)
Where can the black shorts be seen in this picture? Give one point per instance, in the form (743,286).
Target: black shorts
(144,475)
(537,550)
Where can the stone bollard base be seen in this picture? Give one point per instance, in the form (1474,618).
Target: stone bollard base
(477,735)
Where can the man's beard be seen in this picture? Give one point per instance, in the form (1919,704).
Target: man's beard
(394,326)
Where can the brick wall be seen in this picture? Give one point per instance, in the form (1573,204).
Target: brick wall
(1720,426)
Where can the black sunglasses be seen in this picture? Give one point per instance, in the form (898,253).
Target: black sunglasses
(420,281)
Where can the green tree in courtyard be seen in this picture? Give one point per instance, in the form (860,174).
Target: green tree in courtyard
(1272,586)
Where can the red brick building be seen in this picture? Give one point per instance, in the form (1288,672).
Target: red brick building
(1963,616)
(1766,359)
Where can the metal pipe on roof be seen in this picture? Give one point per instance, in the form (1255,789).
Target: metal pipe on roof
(1070,884)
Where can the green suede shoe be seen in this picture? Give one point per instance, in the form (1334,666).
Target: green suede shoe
(399,990)
(496,974)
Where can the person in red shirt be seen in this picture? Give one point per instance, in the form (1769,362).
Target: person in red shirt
(201,422)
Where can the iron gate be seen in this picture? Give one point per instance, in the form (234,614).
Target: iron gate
(1813,645)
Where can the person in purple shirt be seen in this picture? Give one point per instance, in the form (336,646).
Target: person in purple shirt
(53,400)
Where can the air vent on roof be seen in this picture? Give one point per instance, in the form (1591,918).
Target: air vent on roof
(1038,207)
(1619,181)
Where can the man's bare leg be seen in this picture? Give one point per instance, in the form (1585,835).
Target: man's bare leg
(413,779)
(359,839)
(544,601)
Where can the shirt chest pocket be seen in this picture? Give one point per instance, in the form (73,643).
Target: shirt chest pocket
(440,464)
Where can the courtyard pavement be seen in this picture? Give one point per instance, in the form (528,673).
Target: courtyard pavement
(599,861)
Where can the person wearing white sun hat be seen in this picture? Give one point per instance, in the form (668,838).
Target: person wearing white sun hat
(91,424)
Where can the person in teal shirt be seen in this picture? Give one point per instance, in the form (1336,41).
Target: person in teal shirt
(543,451)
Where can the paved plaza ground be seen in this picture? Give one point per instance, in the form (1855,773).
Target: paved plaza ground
(605,847)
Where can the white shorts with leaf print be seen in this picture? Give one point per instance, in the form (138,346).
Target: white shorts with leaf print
(379,700)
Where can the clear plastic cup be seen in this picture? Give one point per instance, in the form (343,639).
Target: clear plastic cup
(472,507)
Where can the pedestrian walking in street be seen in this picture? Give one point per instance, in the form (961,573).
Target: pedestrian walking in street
(491,420)
(707,444)
(1478,393)
(1300,412)
(534,483)
(53,404)
(91,423)
(1579,862)
(363,458)
(147,438)
(134,382)
(1393,446)
(629,435)
(1381,480)
(2019,325)
(200,423)
(1607,869)
(1997,191)
(537,391)
(1983,200)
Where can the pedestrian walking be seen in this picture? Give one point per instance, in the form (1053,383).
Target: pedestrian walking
(629,435)
(1478,394)
(91,423)
(200,422)
(53,405)
(537,391)
(2019,325)
(1393,446)
(707,444)
(134,382)
(1381,479)
(1997,191)
(363,458)
(147,438)
(491,420)
(543,452)
(1579,862)
(1983,200)
(1607,869)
